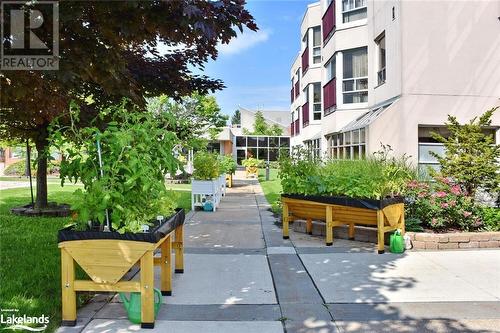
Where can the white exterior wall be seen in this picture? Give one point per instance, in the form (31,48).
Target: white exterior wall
(312,18)
(450,64)
(442,57)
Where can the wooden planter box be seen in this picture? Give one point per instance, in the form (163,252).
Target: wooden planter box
(386,214)
(229,180)
(107,256)
(200,188)
(222,184)
(251,171)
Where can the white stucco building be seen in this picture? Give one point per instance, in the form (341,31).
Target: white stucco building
(388,71)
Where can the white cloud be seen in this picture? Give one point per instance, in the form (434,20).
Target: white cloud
(244,41)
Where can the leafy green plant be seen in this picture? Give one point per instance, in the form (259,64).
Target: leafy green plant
(490,217)
(374,178)
(227,164)
(19,168)
(471,156)
(136,154)
(413,224)
(206,166)
(252,162)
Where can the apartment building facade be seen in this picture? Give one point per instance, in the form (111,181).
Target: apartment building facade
(374,72)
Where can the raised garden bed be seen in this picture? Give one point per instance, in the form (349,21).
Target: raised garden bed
(386,214)
(107,256)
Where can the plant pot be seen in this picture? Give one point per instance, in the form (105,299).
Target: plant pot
(229,180)
(386,214)
(252,171)
(107,256)
(201,189)
(364,203)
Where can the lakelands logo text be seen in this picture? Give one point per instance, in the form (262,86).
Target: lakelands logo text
(27,323)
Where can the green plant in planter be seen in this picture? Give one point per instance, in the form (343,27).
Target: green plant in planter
(373,178)
(206,166)
(136,154)
(252,162)
(228,164)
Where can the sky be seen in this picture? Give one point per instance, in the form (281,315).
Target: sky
(255,66)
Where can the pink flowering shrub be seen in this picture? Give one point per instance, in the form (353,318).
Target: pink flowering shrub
(442,205)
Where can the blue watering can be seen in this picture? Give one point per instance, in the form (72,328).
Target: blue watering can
(133,305)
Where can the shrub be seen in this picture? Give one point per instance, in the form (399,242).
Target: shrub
(471,156)
(206,166)
(19,168)
(490,217)
(252,162)
(228,164)
(136,154)
(274,165)
(16,169)
(413,224)
(442,205)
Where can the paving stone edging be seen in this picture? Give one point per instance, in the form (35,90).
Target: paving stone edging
(454,240)
(420,240)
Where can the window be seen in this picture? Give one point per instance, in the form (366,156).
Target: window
(353,10)
(330,69)
(347,145)
(316,45)
(380,41)
(213,147)
(355,82)
(313,146)
(267,148)
(317,101)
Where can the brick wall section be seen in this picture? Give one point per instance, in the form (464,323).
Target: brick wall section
(420,240)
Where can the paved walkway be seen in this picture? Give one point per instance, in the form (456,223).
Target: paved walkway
(241,276)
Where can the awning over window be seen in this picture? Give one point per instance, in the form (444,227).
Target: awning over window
(365,119)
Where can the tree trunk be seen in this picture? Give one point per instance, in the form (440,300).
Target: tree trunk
(41,143)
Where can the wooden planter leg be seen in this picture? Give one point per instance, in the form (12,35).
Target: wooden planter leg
(380,232)
(179,249)
(166,267)
(147,291)
(285,221)
(68,290)
(351,231)
(329,225)
(309,227)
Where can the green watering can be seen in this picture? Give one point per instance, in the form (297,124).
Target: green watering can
(397,242)
(133,305)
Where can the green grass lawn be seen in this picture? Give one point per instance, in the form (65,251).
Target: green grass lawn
(55,180)
(272,188)
(29,257)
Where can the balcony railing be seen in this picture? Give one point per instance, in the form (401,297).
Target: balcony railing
(292,95)
(305,60)
(297,88)
(328,21)
(330,96)
(305,114)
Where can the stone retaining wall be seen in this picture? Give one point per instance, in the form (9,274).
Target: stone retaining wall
(455,240)
(420,240)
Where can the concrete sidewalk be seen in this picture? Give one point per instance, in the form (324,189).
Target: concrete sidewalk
(241,276)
